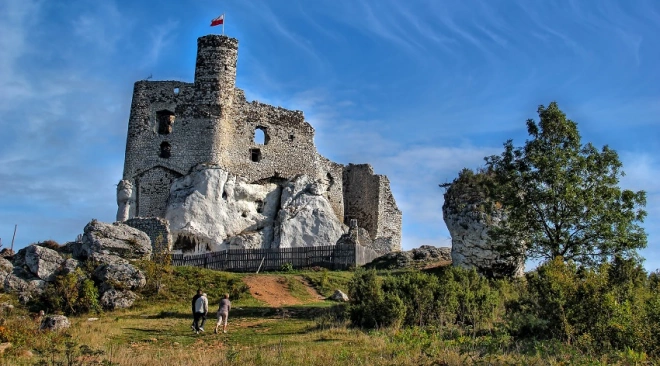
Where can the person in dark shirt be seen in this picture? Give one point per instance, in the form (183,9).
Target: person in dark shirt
(194,299)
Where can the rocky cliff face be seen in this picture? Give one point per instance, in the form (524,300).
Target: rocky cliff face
(469,216)
(211,209)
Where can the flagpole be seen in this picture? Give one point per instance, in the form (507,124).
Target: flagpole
(223,24)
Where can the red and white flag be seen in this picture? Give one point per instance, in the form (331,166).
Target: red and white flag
(218,21)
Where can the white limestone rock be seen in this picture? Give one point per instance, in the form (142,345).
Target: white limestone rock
(338,295)
(5,268)
(26,289)
(43,262)
(55,323)
(116,239)
(469,222)
(119,276)
(216,211)
(306,217)
(117,299)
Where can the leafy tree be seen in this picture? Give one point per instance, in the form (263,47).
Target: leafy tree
(562,197)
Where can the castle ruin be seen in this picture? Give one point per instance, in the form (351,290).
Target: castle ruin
(193,158)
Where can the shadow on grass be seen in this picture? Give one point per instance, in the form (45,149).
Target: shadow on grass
(295,312)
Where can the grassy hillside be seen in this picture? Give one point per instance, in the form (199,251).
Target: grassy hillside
(301,330)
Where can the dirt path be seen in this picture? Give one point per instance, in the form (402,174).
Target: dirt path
(273,290)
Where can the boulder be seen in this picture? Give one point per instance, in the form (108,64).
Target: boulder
(119,276)
(117,299)
(306,218)
(339,296)
(26,289)
(116,239)
(55,323)
(43,262)
(212,210)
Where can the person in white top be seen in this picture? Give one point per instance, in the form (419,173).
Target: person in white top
(201,309)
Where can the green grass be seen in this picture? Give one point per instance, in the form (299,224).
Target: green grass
(326,282)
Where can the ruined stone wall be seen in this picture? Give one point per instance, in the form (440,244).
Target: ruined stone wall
(388,234)
(368,198)
(361,190)
(155,227)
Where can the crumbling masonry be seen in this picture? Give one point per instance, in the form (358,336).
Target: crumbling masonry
(176,127)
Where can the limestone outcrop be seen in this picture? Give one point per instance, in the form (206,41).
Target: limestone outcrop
(211,210)
(117,239)
(305,217)
(422,257)
(34,267)
(469,216)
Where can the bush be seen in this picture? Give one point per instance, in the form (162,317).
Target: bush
(72,294)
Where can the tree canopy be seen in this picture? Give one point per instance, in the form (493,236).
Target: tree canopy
(562,198)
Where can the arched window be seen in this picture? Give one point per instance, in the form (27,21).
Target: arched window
(261,136)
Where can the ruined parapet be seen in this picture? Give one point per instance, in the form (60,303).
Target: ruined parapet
(369,200)
(470,216)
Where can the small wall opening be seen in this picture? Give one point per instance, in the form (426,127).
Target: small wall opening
(260,206)
(165,120)
(261,136)
(165,150)
(176,91)
(255,155)
(292,137)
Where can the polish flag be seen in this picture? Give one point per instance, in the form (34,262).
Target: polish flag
(218,21)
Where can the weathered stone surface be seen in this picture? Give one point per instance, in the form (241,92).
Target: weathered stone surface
(75,248)
(69,266)
(209,208)
(118,239)
(469,218)
(306,217)
(55,323)
(100,258)
(6,253)
(339,296)
(119,276)
(26,289)
(43,262)
(424,256)
(117,299)
(5,268)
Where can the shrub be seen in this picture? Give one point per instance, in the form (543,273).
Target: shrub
(72,294)
(50,244)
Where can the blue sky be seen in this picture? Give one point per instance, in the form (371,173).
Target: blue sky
(419,89)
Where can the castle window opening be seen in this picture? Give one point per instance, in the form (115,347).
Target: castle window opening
(291,137)
(165,150)
(255,155)
(165,120)
(176,91)
(261,136)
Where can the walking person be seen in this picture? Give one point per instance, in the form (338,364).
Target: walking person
(223,314)
(194,300)
(201,309)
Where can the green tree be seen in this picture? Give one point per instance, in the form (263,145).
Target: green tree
(562,198)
